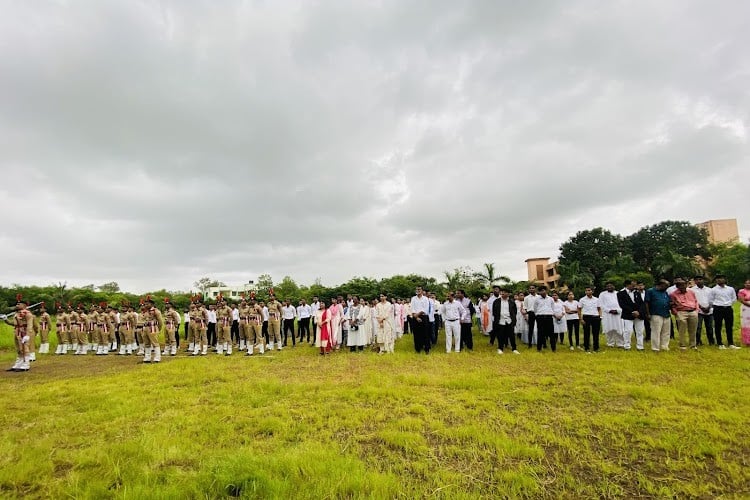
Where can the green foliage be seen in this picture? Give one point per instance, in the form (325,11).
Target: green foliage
(664,249)
(732,260)
(596,251)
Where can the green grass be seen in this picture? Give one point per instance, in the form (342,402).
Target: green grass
(296,425)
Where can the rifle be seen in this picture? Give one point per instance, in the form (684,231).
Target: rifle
(3,317)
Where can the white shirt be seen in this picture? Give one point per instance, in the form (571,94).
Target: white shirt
(557,308)
(671,289)
(704,298)
(543,306)
(304,311)
(466,318)
(186,317)
(420,304)
(117,317)
(211,316)
(571,306)
(235,314)
(723,296)
(528,302)
(315,306)
(265,313)
(452,311)
(288,312)
(589,306)
(505,318)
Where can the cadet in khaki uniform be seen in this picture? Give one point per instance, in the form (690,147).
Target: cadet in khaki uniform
(244,311)
(23,330)
(127,324)
(255,336)
(274,323)
(224,328)
(172,320)
(92,328)
(106,328)
(63,330)
(140,338)
(83,341)
(199,321)
(153,322)
(113,332)
(43,325)
(75,329)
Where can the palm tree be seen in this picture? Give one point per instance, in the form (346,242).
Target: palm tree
(488,276)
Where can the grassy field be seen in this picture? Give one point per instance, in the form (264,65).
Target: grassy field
(297,425)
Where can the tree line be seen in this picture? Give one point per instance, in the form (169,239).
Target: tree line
(590,257)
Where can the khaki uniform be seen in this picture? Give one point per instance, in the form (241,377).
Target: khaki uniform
(244,311)
(153,322)
(92,328)
(172,320)
(43,325)
(127,329)
(23,332)
(84,332)
(112,333)
(63,332)
(255,330)
(198,329)
(106,328)
(224,329)
(76,324)
(274,323)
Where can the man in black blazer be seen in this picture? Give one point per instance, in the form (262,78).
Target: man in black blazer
(633,314)
(504,321)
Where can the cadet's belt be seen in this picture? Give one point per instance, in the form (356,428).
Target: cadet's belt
(274,316)
(170,324)
(43,325)
(225,321)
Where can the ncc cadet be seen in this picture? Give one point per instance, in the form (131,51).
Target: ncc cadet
(152,326)
(223,327)
(274,323)
(63,329)
(255,336)
(172,319)
(43,323)
(23,331)
(244,311)
(127,324)
(199,325)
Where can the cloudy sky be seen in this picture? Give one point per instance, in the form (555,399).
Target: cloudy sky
(153,143)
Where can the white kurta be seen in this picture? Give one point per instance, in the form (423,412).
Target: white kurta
(384,322)
(356,337)
(365,323)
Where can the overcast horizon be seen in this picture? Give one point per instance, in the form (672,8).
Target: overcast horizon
(155,143)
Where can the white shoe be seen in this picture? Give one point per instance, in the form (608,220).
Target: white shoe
(722,346)
(165,352)
(279,345)
(191,346)
(114,346)
(73,347)
(228,349)
(732,346)
(140,351)
(249,350)
(242,345)
(499,351)
(572,348)
(515,351)
(205,350)
(122,350)
(157,355)
(24,367)
(147,356)
(59,349)
(196,351)
(16,366)
(270,346)
(128,351)
(32,356)
(261,349)
(220,349)
(173,351)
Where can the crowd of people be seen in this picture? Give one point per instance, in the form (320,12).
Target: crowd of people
(538,318)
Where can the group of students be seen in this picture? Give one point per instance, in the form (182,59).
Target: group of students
(535,318)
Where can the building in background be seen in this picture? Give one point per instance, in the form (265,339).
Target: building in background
(542,272)
(721,230)
(230,292)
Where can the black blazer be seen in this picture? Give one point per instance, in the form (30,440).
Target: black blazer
(496,312)
(629,306)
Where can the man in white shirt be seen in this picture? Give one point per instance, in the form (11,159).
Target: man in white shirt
(419,321)
(528,312)
(722,297)
(543,312)
(611,319)
(705,311)
(467,338)
(314,307)
(591,319)
(212,325)
(435,319)
(235,325)
(304,312)
(264,329)
(288,315)
(452,311)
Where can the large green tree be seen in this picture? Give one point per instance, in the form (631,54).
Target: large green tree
(666,249)
(732,260)
(595,250)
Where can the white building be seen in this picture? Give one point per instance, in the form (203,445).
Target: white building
(230,292)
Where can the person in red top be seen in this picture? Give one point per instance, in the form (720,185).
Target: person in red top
(685,308)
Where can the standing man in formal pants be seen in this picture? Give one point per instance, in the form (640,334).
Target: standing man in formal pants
(528,312)
(591,319)
(545,327)
(705,310)
(722,298)
(504,321)
(452,311)
(419,321)
(467,339)
(657,309)
(632,321)
(684,306)
(304,312)
(288,314)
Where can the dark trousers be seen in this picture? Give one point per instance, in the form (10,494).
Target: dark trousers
(421,334)
(592,325)
(264,331)
(467,339)
(532,323)
(303,328)
(504,335)
(573,326)
(724,314)
(406,325)
(235,329)
(211,333)
(647,329)
(433,332)
(187,327)
(708,320)
(289,328)
(545,329)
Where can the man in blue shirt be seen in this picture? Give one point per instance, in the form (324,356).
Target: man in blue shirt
(657,309)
